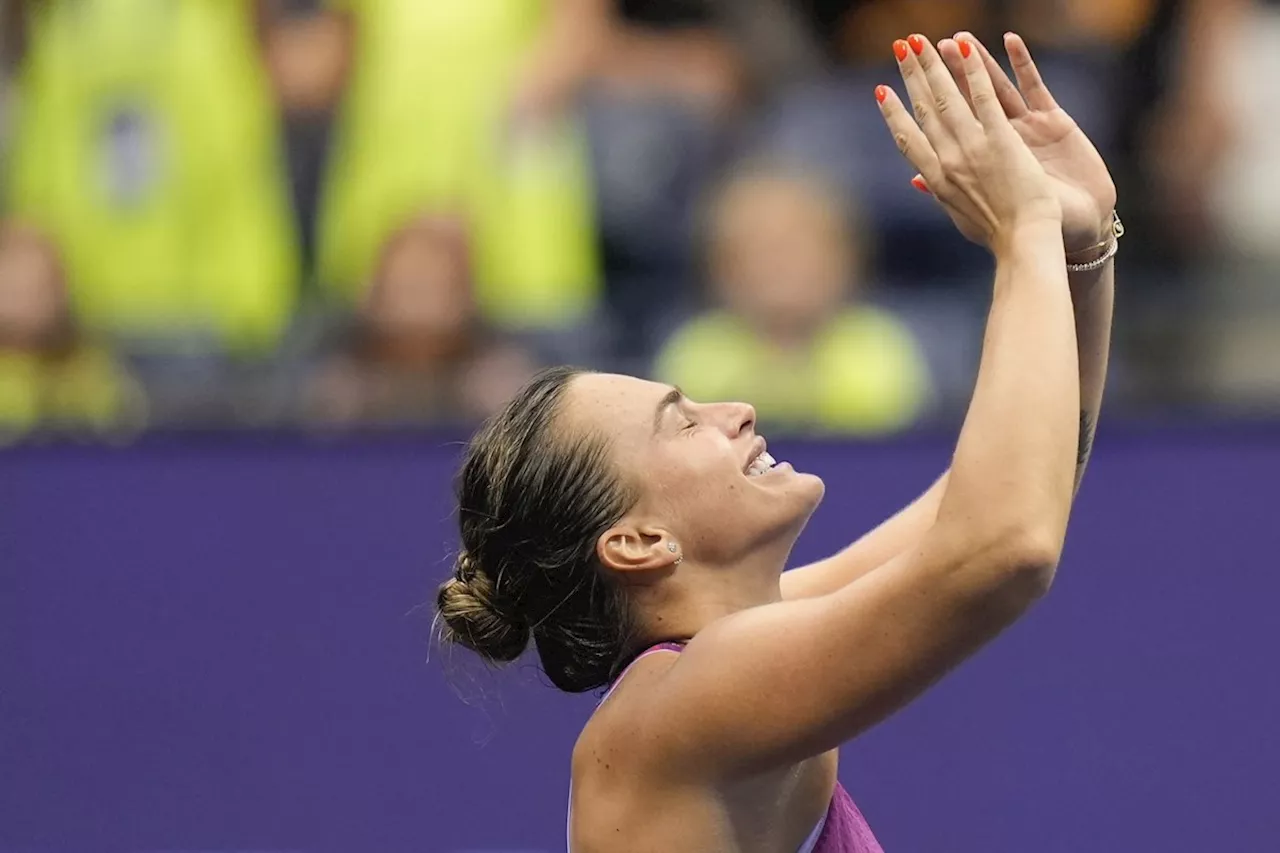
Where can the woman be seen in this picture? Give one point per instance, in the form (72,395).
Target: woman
(613,520)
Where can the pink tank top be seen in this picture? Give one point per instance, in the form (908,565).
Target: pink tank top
(842,829)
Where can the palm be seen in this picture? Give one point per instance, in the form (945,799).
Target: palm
(1079,175)
(1084,186)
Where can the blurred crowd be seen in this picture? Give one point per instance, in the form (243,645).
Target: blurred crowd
(353,213)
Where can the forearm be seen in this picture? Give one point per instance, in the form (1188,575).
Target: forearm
(1012,473)
(1093,298)
(874,549)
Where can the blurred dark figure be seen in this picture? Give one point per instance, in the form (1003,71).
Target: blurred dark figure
(53,379)
(673,81)
(416,351)
(11,35)
(793,330)
(308,48)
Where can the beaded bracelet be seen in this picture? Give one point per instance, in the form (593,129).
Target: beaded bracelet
(1112,247)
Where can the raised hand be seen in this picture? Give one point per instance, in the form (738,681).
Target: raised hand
(972,159)
(1080,178)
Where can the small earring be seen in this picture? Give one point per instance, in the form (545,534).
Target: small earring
(671,546)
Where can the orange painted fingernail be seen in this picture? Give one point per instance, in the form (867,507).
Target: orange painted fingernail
(900,50)
(882,92)
(917,44)
(965,48)
(918,183)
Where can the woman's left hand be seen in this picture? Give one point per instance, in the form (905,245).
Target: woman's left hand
(1079,175)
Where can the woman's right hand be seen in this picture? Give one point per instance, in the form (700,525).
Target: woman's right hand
(973,160)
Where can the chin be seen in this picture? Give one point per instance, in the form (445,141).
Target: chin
(814,488)
(803,494)
(801,483)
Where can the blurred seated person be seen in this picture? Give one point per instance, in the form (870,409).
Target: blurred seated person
(415,352)
(53,379)
(460,107)
(661,106)
(146,151)
(792,332)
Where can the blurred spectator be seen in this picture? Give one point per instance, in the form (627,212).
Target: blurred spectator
(1244,191)
(794,333)
(462,107)
(1238,334)
(416,351)
(860,31)
(51,376)
(146,150)
(1174,112)
(307,45)
(11,31)
(659,112)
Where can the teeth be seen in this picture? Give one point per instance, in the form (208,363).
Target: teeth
(760,465)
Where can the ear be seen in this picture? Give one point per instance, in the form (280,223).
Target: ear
(632,548)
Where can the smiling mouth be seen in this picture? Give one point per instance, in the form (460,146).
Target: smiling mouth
(761,464)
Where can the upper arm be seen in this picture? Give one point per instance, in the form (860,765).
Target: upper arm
(776,684)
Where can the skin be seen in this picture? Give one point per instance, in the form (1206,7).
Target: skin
(731,744)
(1088,193)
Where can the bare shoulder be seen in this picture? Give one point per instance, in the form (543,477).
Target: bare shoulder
(622,731)
(619,776)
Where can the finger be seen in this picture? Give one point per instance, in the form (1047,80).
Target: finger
(921,184)
(982,92)
(909,137)
(950,53)
(947,98)
(1032,86)
(1010,97)
(922,100)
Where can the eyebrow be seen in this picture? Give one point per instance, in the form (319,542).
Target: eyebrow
(672,398)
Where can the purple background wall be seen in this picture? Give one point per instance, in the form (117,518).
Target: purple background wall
(210,646)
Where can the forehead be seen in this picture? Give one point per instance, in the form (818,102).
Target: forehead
(614,405)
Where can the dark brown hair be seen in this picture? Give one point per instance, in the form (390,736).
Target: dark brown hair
(532,501)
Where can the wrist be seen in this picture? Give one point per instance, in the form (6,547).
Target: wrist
(1097,256)
(1086,246)
(1030,233)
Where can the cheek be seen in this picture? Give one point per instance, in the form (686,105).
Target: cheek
(702,480)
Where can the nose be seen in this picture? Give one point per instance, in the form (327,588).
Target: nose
(742,418)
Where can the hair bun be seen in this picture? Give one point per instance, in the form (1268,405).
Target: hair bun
(466,604)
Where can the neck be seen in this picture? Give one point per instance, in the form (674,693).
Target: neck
(681,605)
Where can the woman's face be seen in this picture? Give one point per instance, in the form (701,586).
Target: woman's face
(689,464)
